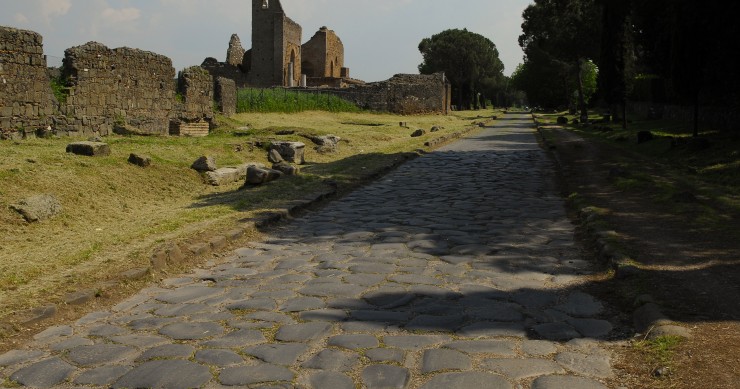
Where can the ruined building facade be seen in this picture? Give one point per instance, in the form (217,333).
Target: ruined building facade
(277,57)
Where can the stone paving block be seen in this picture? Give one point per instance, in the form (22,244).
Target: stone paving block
(518,369)
(354,342)
(414,342)
(565,381)
(498,347)
(248,375)
(44,374)
(302,304)
(189,294)
(385,355)
(102,376)
(328,379)
(237,339)
(589,365)
(303,332)
(192,331)
(556,331)
(99,354)
(486,329)
(168,351)
(385,377)
(436,323)
(70,343)
(220,358)
(281,354)
(444,359)
(14,357)
(334,360)
(475,380)
(165,374)
(539,347)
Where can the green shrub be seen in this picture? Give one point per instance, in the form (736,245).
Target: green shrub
(283,100)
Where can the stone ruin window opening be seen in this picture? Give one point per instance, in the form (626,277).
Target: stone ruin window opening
(265,4)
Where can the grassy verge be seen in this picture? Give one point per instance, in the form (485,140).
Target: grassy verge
(115,213)
(701,178)
(284,100)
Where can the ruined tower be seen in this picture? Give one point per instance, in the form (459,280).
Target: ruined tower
(323,55)
(276,46)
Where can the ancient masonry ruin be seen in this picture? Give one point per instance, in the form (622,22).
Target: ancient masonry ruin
(98,91)
(277,59)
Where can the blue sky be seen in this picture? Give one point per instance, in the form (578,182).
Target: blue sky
(380,36)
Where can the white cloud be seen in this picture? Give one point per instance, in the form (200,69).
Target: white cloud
(52,8)
(122,15)
(20,18)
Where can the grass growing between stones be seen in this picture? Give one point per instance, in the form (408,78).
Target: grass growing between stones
(114,213)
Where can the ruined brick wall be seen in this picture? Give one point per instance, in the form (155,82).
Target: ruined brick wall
(291,35)
(26,99)
(407,94)
(225,95)
(418,93)
(323,55)
(223,69)
(195,85)
(108,86)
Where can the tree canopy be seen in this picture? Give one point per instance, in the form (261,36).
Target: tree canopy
(470,61)
(679,50)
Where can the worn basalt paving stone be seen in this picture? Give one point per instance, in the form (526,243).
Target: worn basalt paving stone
(165,374)
(355,294)
(385,377)
(44,374)
(475,380)
(247,375)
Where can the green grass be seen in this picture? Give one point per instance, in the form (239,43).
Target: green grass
(283,100)
(660,350)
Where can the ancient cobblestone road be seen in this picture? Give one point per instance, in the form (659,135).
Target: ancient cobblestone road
(455,271)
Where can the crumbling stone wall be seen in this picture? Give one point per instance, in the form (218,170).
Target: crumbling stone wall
(111,86)
(323,55)
(26,98)
(407,94)
(235,53)
(223,69)
(225,95)
(195,85)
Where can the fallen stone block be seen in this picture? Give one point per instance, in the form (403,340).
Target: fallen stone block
(286,168)
(418,133)
(290,151)
(274,156)
(257,175)
(36,315)
(79,297)
(223,176)
(140,160)
(90,149)
(38,208)
(204,164)
(135,274)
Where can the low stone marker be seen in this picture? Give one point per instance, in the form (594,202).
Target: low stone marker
(258,175)
(90,149)
(286,168)
(229,175)
(290,151)
(418,133)
(325,143)
(140,160)
(204,164)
(38,208)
